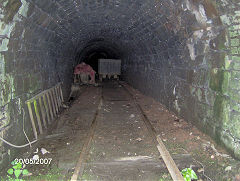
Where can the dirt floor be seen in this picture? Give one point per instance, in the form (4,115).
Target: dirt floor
(182,137)
(121,147)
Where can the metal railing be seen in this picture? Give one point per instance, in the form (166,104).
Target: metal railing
(44,107)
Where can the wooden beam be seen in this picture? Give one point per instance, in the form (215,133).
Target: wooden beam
(43,112)
(56,99)
(38,116)
(61,94)
(49,105)
(171,165)
(32,120)
(46,108)
(52,103)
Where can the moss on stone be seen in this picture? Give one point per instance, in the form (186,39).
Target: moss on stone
(219,80)
(221,110)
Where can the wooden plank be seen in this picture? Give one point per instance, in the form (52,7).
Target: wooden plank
(50,105)
(55,98)
(50,101)
(41,94)
(32,120)
(61,94)
(38,116)
(172,167)
(36,97)
(46,108)
(43,112)
(58,96)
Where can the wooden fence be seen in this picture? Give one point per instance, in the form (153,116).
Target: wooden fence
(44,107)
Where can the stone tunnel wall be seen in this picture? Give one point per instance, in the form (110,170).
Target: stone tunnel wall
(33,58)
(194,70)
(229,99)
(184,53)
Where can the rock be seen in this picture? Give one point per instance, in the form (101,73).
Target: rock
(35,157)
(132,116)
(44,151)
(65,106)
(228,168)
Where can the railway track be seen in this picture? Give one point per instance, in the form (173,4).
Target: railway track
(168,160)
(104,120)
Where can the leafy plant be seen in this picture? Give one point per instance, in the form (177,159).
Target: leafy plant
(16,170)
(189,174)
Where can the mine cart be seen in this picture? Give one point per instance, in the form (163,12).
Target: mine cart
(109,68)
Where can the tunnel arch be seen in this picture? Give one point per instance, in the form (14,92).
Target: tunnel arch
(185,51)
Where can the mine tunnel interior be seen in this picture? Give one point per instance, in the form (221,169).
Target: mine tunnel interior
(183,53)
(92,59)
(97,49)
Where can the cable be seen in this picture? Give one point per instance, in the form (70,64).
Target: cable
(24,129)
(16,146)
(21,146)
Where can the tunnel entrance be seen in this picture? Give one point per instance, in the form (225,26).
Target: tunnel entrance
(184,54)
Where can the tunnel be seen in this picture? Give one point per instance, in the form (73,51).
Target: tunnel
(97,49)
(183,53)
